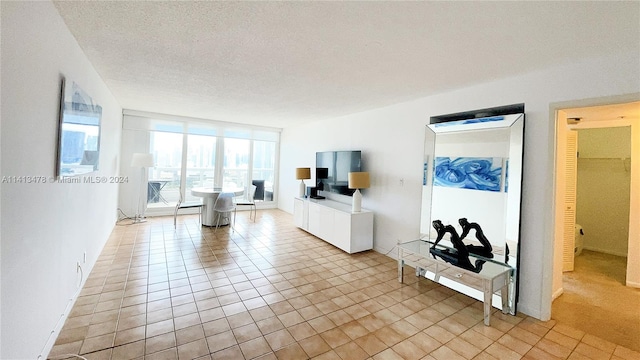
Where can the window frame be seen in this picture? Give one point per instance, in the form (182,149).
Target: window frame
(151,122)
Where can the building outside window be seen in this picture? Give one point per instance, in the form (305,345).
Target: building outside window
(264,166)
(164,178)
(200,163)
(236,164)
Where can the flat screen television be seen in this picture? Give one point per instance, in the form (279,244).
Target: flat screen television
(333,168)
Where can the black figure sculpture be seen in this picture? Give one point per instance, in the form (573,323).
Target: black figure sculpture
(459,256)
(486,249)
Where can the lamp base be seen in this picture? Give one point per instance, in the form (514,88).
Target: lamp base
(357,201)
(303,188)
(139,219)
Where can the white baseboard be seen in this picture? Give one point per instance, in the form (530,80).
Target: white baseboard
(633,284)
(48,346)
(392,253)
(605,251)
(557,294)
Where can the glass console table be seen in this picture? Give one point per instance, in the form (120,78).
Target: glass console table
(485,275)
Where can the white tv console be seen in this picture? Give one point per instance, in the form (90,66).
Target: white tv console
(334,223)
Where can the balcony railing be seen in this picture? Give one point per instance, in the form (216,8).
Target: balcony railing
(164,183)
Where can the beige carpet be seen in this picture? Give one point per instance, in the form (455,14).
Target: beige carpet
(595,300)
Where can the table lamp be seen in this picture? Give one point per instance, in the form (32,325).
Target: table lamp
(141,160)
(302,174)
(358,180)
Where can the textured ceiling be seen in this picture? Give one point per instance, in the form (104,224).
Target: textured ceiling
(280,63)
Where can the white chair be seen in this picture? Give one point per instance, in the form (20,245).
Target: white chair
(187,205)
(249,200)
(223,207)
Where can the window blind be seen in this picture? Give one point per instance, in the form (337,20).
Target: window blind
(142,121)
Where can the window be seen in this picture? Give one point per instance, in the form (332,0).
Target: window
(236,163)
(191,152)
(200,162)
(264,166)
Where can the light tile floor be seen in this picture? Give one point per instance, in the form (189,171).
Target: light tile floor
(272,291)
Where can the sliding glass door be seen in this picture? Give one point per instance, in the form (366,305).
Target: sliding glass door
(264,168)
(200,162)
(192,153)
(244,163)
(236,164)
(164,178)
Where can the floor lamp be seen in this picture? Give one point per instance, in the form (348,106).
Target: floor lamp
(143,161)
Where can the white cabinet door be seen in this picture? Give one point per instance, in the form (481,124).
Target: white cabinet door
(342,230)
(361,232)
(314,219)
(299,214)
(326,223)
(334,223)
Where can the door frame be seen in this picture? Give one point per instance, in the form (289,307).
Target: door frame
(549,263)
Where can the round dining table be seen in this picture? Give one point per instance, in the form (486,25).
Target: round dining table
(209,196)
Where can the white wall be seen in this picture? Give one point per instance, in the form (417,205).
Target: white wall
(47,227)
(391,139)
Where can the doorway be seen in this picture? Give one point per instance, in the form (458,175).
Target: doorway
(597,291)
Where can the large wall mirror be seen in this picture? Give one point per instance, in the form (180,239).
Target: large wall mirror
(472,187)
(79,132)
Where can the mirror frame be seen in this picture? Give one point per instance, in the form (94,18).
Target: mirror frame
(466,131)
(79,115)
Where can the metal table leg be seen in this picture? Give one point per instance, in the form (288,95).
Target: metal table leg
(487,286)
(400,266)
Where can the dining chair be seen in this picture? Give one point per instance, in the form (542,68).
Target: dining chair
(187,205)
(249,200)
(223,207)
(259,189)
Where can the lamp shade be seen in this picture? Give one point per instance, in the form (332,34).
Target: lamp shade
(142,160)
(359,180)
(303,173)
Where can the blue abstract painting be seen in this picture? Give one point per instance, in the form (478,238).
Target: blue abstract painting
(468,173)
(506,176)
(424,172)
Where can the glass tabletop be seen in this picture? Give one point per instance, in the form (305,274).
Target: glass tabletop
(485,267)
